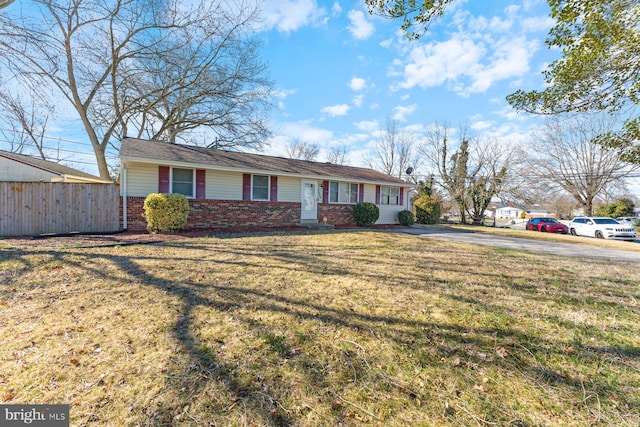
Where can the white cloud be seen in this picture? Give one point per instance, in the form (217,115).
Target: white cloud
(360,28)
(357,100)
(336,110)
(336,9)
(367,125)
(538,23)
(357,83)
(357,157)
(401,112)
(510,59)
(481,125)
(386,43)
(416,129)
(283,93)
(464,63)
(482,51)
(482,24)
(301,130)
(290,15)
(433,64)
(510,114)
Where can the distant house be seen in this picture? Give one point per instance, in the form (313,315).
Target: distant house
(508,212)
(232,189)
(20,168)
(538,210)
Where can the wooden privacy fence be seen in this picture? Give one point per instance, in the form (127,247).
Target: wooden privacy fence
(28,208)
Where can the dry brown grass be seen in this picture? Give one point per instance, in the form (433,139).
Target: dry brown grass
(347,328)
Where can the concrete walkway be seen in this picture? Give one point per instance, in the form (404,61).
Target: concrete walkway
(539,246)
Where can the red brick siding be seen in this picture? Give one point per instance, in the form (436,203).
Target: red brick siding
(223,214)
(336,214)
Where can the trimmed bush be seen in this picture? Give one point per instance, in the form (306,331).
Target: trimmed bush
(365,214)
(428,210)
(165,212)
(405,217)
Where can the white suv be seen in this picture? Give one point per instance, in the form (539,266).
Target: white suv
(601,228)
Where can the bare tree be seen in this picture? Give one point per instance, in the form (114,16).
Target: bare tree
(568,154)
(23,123)
(302,150)
(471,170)
(338,155)
(158,69)
(451,172)
(395,151)
(488,177)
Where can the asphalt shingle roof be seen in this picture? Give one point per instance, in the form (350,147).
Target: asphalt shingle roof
(51,167)
(159,152)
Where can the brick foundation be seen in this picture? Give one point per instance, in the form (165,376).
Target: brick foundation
(336,214)
(206,214)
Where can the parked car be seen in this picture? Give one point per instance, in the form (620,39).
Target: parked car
(549,225)
(630,219)
(602,228)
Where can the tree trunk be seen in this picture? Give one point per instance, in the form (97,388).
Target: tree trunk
(588,206)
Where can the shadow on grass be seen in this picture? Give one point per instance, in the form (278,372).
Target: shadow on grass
(431,340)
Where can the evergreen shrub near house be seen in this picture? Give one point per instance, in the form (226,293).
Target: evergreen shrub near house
(365,214)
(427,209)
(405,217)
(166,212)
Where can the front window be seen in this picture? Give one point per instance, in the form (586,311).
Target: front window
(390,195)
(260,187)
(343,192)
(182,182)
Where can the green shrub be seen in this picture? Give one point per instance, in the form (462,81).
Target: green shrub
(365,214)
(405,217)
(427,209)
(621,207)
(166,212)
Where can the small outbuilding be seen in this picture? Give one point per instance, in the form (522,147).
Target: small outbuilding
(20,168)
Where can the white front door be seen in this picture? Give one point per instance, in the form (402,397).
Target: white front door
(309,203)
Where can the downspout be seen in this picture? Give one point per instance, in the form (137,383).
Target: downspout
(124,195)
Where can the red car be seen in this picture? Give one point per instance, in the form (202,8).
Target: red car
(549,225)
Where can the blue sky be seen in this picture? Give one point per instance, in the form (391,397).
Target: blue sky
(341,72)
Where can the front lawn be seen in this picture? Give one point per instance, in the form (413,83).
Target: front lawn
(339,328)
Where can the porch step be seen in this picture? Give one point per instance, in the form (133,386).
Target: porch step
(315,225)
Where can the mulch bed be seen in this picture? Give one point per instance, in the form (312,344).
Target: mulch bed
(140,237)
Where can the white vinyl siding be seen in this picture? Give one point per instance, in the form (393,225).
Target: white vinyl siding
(288,189)
(142,180)
(223,185)
(369,193)
(389,214)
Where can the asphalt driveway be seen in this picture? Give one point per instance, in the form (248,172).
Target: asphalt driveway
(539,246)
